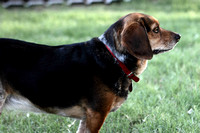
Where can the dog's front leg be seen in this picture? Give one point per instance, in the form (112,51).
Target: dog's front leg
(93,122)
(82,127)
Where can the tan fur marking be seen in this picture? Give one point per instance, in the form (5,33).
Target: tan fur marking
(74,112)
(117,103)
(107,101)
(141,66)
(94,120)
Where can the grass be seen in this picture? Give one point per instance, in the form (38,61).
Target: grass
(167,98)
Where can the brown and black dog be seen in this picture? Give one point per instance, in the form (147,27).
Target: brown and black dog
(84,80)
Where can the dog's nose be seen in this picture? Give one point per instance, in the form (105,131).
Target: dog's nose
(177,37)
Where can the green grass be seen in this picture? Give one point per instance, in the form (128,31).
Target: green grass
(168,89)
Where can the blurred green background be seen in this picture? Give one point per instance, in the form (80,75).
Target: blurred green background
(167,98)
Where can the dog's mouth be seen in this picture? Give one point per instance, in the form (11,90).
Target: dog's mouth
(158,51)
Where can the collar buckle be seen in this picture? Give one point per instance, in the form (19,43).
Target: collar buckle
(132,76)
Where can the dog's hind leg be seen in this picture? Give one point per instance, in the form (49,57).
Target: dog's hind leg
(3,96)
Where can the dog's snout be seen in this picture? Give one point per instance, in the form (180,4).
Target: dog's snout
(177,37)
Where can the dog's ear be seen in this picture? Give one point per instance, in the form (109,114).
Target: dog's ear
(135,40)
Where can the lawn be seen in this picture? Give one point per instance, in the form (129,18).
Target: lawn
(167,98)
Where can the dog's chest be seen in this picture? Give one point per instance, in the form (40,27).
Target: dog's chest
(141,66)
(117,103)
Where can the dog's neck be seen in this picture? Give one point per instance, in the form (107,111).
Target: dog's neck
(130,74)
(122,57)
(109,39)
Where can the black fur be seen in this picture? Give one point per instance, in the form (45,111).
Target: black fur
(59,76)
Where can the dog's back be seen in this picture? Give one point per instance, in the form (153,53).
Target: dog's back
(43,73)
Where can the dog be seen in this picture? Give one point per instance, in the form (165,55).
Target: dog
(84,80)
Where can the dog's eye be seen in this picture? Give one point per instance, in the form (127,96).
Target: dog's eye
(156,30)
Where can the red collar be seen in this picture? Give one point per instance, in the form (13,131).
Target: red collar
(129,74)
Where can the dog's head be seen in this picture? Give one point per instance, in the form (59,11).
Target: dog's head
(141,36)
